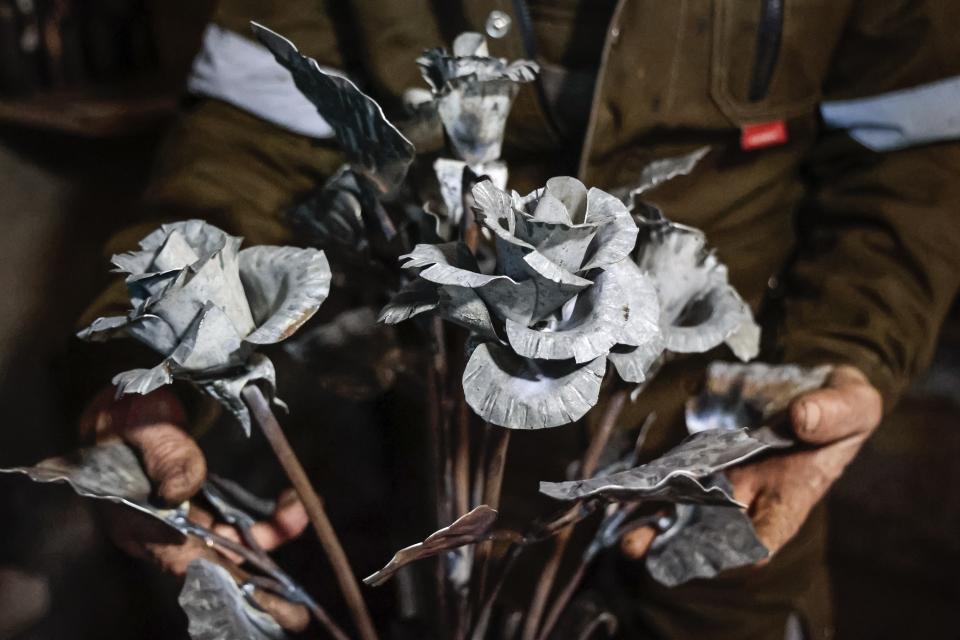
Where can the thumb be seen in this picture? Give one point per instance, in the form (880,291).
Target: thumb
(151,425)
(847,405)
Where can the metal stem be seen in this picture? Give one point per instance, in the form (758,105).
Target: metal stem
(263,415)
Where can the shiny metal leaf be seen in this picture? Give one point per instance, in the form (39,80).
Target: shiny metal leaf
(703,541)
(110,471)
(747,395)
(226,388)
(416,297)
(218,609)
(469,528)
(375,148)
(678,475)
(519,393)
(660,171)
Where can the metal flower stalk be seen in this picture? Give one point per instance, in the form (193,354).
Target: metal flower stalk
(205,305)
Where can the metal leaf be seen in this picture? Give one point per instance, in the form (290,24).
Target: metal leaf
(218,609)
(469,528)
(416,297)
(375,148)
(509,391)
(226,388)
(748,395)
(110,471)
(678,475)
(660,171)
(704,541)
(285,287)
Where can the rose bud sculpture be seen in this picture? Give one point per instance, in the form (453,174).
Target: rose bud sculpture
(205,305)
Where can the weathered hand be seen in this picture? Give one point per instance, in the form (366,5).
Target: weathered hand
(782,489)
(152,425)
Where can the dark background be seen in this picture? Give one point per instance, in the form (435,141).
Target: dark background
(76,139)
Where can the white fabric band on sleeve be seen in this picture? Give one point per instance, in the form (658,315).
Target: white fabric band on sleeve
(900,119)
(245,74)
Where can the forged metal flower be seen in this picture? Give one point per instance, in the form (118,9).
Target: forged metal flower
(205,305)
(474,92)
(562,296)
(700,310)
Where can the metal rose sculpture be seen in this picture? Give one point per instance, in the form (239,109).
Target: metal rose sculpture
(205,305)
(473,93)
(700,309)
(562,296)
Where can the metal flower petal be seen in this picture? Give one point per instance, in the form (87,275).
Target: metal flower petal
(678,475)
(218,609)
(595,323)
(285,286)
(374,147)
(519,393)
(703,541)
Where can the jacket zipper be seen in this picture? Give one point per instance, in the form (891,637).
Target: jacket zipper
(769,39)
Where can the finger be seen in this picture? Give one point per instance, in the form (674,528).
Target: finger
(635,544)
(290,616)
(848,405)
(171,458)
(289,521)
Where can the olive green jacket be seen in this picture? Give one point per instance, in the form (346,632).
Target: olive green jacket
(849,254)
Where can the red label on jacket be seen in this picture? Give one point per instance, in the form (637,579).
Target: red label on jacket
(763,134)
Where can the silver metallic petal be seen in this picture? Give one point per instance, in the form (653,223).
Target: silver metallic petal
(110,471)
(703,541)
(595,324)
(616,234)
(416,297)
(642,301)
(195,240)
(105,328)
(469,528)
(214,279)
(519,393)
(374,147)
(474,115)
(678,475)
(748,395)
(142,381)
(712,319)
(561,243)
(218,609)
(633,364)
(285,286)
(572,194)
(211,344)
(465,307)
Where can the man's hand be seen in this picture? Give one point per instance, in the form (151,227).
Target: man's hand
(153,426)
(781,490)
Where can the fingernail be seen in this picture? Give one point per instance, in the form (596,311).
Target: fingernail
(811,416)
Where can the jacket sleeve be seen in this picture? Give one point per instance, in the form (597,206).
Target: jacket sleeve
(878,262)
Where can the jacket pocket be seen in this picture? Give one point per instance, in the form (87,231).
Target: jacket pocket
(770,57)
